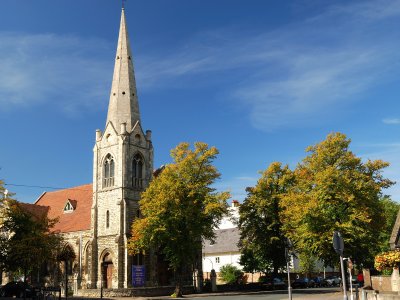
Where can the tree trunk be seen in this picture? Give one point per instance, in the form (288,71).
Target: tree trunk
(178,286)
(275,271)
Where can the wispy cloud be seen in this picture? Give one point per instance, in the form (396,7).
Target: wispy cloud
(236,186)
(391,121)
(388,152)
(63,70)
(299,73)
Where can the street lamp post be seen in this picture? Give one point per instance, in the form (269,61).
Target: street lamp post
(288,250)
(101,279)
(212,265)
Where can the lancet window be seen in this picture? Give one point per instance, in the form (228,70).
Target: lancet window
(108,166)
(137,171)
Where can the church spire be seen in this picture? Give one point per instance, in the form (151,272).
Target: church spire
(123,106)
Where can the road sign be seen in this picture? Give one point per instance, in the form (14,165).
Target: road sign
(338,242)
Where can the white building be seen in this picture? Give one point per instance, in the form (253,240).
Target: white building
(224,250)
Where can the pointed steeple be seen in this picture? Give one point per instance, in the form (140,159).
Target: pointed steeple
(123,106)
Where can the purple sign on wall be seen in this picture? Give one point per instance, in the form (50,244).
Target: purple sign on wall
(138,275)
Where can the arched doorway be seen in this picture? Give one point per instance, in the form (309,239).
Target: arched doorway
(107,270)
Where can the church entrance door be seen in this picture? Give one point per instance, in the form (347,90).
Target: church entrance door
(109,270)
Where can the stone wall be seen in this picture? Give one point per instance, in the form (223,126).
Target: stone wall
(136,292)
(381,283)
(375,295)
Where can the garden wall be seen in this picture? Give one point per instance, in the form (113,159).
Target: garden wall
(381,283)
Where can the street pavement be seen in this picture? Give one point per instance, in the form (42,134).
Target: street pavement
(298,294)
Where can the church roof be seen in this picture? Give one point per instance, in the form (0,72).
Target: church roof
(394,238)
(81,199)
(123,106)
(37,211)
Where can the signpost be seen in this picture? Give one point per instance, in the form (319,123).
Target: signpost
(138,275)
(350,267)
(338,245)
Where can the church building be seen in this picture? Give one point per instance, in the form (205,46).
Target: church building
(95,219)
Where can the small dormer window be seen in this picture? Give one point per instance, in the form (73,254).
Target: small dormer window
(68,208)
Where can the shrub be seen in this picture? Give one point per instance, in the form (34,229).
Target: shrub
(387,260)
(230,274)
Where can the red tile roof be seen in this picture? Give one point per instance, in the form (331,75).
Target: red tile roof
(79,219)
(37,211)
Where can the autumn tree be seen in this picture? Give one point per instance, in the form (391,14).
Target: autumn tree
(336,190)
(2,234)
(26,240)
(262,241)
(180,208)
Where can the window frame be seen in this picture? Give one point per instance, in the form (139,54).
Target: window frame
(108,171)
(137,178)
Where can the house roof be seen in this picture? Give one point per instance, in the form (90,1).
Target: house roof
(79,219)
(226,240)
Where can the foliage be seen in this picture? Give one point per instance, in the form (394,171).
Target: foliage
(262,241)
(307,263)
(335,190)
(26,240)
(391,209)
(180,208)
(65,253)
(250,263)
(230,274)
(387,260)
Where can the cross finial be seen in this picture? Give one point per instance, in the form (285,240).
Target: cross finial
(123,4)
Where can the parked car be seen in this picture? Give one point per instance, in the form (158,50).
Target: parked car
(270,283)
(318,281)
(332,281)
(16,289)
(303,283)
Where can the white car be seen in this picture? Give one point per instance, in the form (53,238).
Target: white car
(333,281)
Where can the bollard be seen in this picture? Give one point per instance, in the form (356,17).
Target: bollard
(213,277)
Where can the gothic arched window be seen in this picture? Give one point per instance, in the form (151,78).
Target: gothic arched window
(137,171)
(108,166)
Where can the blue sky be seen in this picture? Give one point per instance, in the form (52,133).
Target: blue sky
(260,80)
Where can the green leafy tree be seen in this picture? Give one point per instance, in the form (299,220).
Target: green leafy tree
(180,208)
(336,190)
(230,274)
(262,241)
(307,263)
(26,241)
(391,209)
(249,262)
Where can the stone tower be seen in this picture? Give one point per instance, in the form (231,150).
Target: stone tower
(122,169)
